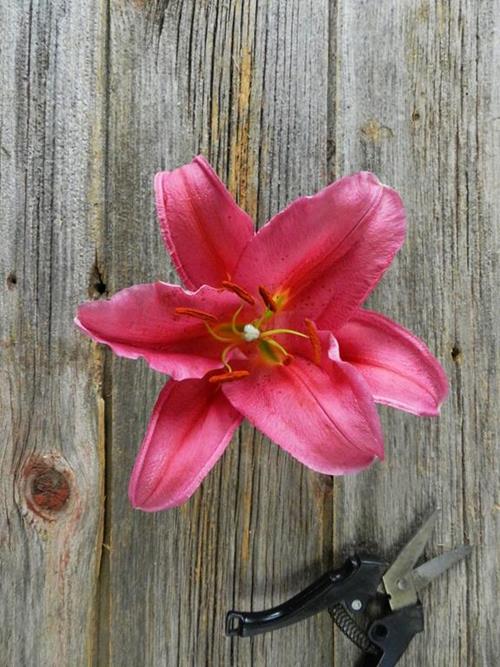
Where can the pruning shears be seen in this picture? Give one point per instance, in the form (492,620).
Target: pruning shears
(376,605)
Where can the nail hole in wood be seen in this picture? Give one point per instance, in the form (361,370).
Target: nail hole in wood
(100,288)
(97,286)
(11,280)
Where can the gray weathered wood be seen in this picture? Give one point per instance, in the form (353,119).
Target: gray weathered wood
(414,104)
(206,77)
(51,406)
(282,97)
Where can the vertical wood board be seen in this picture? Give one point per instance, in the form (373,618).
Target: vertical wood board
(281,98)
(51,407)
(227,80)
(413,104)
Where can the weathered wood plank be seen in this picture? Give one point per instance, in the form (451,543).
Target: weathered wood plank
(230,80)
(417,103)
(52,412)
(281,97)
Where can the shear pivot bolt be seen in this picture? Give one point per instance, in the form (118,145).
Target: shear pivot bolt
(402,584)
(356,605)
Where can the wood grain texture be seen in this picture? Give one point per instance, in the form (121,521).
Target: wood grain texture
(281,97)
(51,405)
(207,77)
(414,105)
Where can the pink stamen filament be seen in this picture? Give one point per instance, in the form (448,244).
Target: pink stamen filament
(216,335)
(274,332)
(233,321)
(235,332)
(224,356)
(265,316)
(279,347)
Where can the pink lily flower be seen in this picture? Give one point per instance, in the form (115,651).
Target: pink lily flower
(269,328)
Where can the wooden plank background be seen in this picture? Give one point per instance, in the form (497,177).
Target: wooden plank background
(282,97)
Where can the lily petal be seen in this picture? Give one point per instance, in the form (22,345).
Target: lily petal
(203,228)
(324,417)
(141,321)
(398,367)
(191,426)
(328,251)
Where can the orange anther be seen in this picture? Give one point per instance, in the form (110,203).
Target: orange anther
(267,298)
(194,312)
(315,341)
(228,377)
(240,291)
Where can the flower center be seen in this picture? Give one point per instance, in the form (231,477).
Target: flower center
(250,333)
(235,334)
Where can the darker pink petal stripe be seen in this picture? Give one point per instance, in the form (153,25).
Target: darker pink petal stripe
(191,426)
(398,367)
(204,229)
(325,418)
(140,321)
(329,250)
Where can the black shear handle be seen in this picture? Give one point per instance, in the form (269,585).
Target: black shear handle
(392,634)
(321,594)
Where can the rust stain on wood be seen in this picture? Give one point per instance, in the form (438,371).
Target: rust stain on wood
(242,163)
(375,132)
(423,12)
(246,532)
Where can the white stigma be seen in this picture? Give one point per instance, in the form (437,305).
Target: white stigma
(250,333)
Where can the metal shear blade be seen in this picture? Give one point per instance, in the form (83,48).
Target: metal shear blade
(427,572)
(402,583)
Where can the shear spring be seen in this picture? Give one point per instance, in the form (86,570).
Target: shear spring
(351,629)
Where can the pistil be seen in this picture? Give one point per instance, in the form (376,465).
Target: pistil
(234,334)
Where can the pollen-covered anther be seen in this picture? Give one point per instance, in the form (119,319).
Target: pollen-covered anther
(194,312)
(315,341)
(267,298)
(240,291)
(230,376)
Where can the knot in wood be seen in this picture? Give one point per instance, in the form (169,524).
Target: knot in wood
(50,490)
(47,489)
